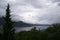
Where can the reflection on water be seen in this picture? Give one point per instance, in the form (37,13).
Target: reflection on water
(29,28)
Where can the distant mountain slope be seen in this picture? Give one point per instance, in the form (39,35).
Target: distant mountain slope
(18,24)
(1,21)
(22,24)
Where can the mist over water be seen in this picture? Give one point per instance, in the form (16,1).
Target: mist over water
(18,29)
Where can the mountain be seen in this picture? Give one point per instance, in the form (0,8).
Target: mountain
(22,24)
(1,21)
(16,24)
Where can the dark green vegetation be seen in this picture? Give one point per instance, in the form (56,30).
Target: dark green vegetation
(8,31)
(51,33)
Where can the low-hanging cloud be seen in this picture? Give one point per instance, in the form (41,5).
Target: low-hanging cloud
(33,11)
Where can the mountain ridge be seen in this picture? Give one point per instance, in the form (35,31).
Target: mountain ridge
(22,24)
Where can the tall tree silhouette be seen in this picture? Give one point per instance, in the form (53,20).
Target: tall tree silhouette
(8,29)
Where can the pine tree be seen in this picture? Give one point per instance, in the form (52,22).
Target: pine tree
(8,29)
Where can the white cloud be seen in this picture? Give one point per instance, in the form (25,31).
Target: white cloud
(35,11)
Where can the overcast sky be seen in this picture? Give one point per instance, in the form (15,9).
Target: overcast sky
(33,11)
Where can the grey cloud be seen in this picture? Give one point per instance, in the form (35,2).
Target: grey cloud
(58,4)
(34,3)
(2,7)
(23,7)
(54,0)
(53,15)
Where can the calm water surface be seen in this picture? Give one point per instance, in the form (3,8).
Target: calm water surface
(29,28)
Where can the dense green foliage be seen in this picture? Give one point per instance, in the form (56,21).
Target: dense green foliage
(51,33)
(8,29)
